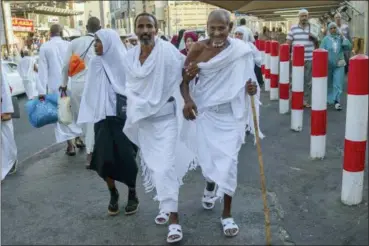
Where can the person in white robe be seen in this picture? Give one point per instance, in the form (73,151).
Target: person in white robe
(51,61)
(218,108)
(27,69)
(114,156)
(153,76)
(83,47)
(8,145)
(242,33)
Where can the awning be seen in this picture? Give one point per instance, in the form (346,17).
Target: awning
(46,10)
(274,10)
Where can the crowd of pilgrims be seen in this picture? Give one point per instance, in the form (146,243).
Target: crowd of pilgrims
(142,101)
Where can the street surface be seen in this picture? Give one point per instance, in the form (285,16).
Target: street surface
(53,199)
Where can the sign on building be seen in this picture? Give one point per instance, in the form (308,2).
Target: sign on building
(53,19)
(22,25)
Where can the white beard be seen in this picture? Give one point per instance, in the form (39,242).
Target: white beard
(129,46)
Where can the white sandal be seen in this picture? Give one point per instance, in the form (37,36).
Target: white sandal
(164,216)
(174,230)
(228,224)
(209,198)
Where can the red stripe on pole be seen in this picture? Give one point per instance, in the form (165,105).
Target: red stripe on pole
(318,122)
(267,73)
(284,91)
(320,63)
(263,69)
(267,47)
(284,52)
(274,80)
(257,44)
(274,46)
(297,101)
(262,45)
(358,79)
(354,156)
(298,58)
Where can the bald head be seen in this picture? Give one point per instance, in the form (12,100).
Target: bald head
(220,15)
(93,25)
(56,30)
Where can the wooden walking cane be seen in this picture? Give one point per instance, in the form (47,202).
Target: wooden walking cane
(262,176)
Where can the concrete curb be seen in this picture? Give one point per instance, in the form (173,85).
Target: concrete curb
(43,153)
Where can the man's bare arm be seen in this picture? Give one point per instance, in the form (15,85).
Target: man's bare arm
(195,51)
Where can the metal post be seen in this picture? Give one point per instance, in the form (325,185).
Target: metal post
(169,31)
(5,28)
(129,15)
(102,16)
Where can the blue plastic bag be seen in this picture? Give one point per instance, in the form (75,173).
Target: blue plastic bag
(41,113)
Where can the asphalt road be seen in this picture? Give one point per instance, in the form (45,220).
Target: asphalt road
(30,140)
(53,199)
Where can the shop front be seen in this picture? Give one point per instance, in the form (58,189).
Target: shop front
(23,29)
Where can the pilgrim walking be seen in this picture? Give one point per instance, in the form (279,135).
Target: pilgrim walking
(8,145)
(103,103)
(51,62)
(76,61)
(153,76)
(219,109)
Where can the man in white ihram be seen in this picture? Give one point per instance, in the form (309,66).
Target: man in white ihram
(153,75)
(50,67)
(8,145)
(83,47)
(27,69)
(219,107)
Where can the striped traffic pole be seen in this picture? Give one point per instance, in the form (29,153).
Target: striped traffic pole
(257,44)
(267,66)
(284,78)
(274,70)
(356,131)
(319,104)
(262,50)
(297,104)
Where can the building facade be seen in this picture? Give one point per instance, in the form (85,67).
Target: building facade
(186,15)
(99,9)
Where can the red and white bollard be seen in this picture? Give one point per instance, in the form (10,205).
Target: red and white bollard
(274,70)
(356,131)
(267,66)
(284,78)
(262,51)
(319,104)
(297,104)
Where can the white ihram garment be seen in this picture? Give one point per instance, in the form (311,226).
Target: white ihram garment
(220,96)
(153,123)
(50,76)
(29,76)
(8,145)
(80,46)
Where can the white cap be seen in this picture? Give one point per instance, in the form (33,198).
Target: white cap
(303,11)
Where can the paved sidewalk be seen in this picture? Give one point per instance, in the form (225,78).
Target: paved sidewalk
(53,199)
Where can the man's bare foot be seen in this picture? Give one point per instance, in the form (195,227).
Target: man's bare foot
(175,230)
(209,197)
(89,158)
